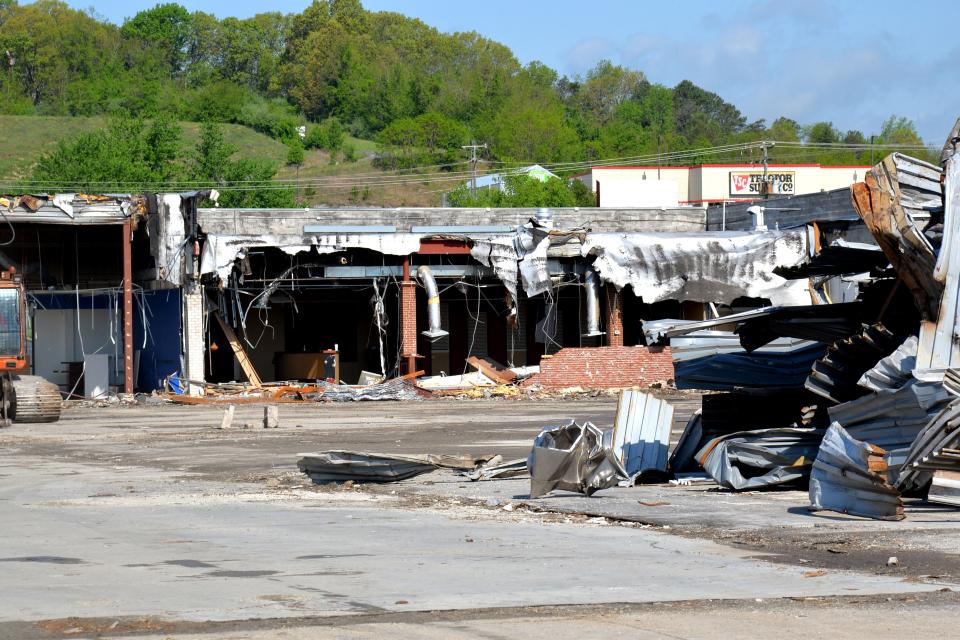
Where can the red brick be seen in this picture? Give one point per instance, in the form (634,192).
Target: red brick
(612,367)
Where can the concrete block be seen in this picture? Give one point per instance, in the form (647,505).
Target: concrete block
(271,416)
(227,420)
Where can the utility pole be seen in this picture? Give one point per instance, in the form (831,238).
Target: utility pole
(658,155)
(871,150)
(472,147)
(766,166)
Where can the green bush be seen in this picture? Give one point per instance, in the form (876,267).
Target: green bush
(328,135)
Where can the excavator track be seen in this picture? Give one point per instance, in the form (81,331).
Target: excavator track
(34,400)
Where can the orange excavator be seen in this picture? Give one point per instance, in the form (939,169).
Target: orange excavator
(23,398)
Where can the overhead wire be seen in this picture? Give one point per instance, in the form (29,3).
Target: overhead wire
(416,175)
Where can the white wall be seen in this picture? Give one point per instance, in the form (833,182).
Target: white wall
(618,192)
(59,338)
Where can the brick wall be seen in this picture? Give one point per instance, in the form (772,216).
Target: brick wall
(605,368)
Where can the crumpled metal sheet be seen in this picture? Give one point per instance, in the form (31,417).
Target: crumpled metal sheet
(941,432)
(497,468)
(220,251)
(893,419)
(759,327)
(758,370)
(894,200)
(705,267)
(761,459)
(64,202)
(359,466)
(573,457)
(725,413)
(939,347)
(682,457)
(850,476)
(836,375)
(516,258)
(892,372)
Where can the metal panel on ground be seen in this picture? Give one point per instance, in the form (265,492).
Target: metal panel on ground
(850,476)
(760,459)
(641,432)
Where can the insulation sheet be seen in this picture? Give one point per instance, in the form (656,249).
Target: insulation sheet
(704,267)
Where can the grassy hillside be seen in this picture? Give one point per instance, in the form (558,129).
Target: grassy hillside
(28,137)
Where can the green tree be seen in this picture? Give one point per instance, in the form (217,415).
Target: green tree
(784,130)
(605,88)
(165,26)
(689,99)
(213,163)
(899,131)
(295,152)
(523,191)
(126,156)
(430,138)
(821,133)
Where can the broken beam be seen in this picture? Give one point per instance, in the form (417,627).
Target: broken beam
(239,351)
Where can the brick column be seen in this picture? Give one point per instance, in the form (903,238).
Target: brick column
(614,316)
(408,323)
(193,337)
(408,318)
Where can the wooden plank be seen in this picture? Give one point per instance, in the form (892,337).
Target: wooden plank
(493,370)
(240,352)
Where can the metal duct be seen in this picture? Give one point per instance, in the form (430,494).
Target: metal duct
(591,285)
(433,302)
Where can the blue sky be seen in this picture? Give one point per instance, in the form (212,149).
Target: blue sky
(853,64)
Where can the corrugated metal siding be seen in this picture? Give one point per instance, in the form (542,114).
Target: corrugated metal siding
(641,432)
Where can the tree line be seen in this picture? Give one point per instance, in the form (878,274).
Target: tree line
(340,69)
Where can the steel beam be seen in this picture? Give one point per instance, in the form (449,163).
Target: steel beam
(127,230)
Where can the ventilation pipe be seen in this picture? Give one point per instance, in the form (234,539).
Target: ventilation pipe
(434,332)
(591,285)
(757,212)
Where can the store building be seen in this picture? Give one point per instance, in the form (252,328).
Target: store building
(652,186)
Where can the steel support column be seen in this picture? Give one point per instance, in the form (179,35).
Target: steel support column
(127,307)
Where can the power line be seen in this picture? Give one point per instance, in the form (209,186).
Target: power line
(410,176)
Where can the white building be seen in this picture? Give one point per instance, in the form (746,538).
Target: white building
(652,186)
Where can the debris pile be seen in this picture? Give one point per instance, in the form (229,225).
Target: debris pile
(860,397)
(401,388)
(854,397)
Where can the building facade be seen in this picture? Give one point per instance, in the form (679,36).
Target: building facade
(652,186)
